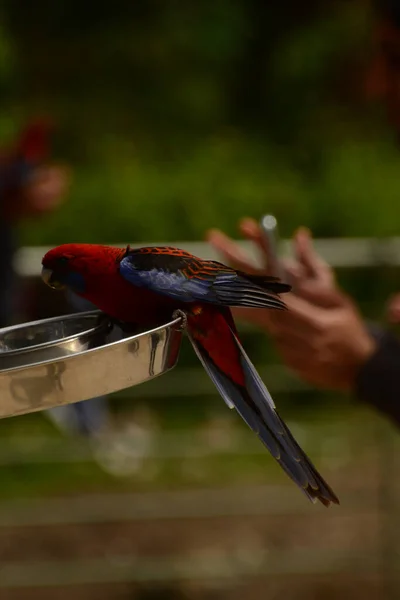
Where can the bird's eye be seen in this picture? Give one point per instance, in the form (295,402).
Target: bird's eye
(63,260)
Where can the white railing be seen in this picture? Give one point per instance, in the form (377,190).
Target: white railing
(342,252)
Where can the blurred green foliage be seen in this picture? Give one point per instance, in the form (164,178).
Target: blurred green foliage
(180,116)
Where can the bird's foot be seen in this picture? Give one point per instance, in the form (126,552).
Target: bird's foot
(180,314)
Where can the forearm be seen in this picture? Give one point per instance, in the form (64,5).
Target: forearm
(378,382)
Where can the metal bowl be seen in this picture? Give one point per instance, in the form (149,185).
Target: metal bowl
(67,359)
(50,339)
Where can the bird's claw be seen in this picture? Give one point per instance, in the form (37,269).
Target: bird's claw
(180,314)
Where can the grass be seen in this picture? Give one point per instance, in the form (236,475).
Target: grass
(205,445)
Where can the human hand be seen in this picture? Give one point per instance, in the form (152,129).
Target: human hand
(322,336)
(324,345)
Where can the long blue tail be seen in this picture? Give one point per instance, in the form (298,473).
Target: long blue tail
(256,407)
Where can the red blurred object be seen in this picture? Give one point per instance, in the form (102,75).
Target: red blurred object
(19,166)
(34,142)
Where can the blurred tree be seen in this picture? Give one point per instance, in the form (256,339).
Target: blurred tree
(182,115)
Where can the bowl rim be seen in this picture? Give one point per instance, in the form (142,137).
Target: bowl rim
(177,323)
(42,346)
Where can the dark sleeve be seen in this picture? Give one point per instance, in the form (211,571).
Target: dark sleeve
(378,382)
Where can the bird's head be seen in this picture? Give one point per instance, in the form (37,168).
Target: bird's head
(74,265)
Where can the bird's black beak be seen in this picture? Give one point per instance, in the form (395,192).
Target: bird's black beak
(50,279)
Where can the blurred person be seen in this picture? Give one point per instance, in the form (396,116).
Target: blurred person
(323,337)
(31,187)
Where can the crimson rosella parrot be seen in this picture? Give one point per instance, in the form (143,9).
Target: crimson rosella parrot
(146,286)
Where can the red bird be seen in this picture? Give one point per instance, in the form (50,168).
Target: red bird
(146,286)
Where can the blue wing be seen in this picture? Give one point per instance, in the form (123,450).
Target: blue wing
(186,278)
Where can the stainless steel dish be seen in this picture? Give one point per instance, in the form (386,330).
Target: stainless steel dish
(51,338)
(58,361)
